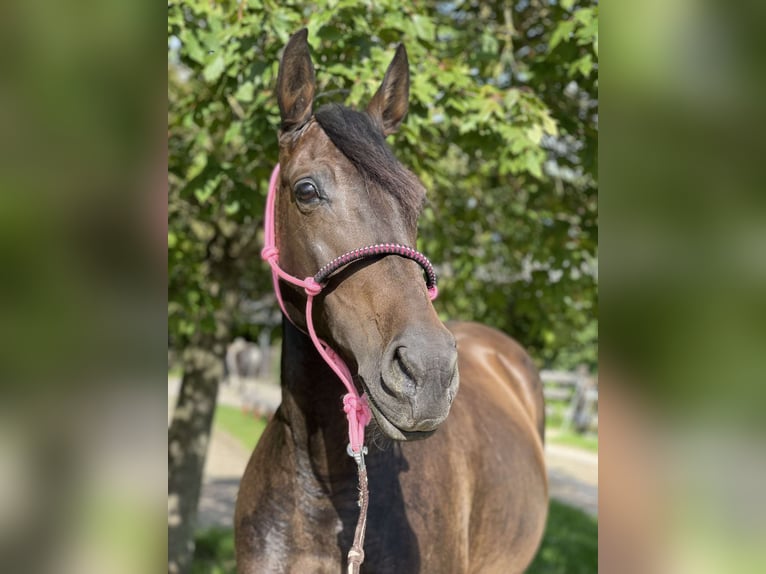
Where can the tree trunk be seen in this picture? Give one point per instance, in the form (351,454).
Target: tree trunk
(188,438)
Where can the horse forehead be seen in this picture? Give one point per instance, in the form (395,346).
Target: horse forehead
(313,145)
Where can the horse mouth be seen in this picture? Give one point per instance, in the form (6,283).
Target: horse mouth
(388,427)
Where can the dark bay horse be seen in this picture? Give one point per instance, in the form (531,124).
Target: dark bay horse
(472,496)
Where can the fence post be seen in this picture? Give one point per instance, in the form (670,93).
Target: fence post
(574,413)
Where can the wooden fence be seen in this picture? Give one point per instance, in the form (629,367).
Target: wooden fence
(578,392)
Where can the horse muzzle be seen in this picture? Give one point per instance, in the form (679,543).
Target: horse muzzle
(418,382)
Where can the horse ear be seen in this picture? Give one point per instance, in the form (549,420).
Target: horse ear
(295,82)
(389,105)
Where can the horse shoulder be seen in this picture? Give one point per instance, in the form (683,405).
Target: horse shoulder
(498,417)
(491,359)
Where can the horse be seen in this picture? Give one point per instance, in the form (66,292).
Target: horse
(464,493)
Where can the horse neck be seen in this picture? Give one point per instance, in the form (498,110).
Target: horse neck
(312,408)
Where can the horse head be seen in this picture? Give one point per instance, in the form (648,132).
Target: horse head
(341,188)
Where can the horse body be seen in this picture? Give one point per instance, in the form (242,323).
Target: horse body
(470,498)
(456,479)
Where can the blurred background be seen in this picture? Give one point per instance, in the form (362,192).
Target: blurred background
(502,130)
(87,336)
(683,313)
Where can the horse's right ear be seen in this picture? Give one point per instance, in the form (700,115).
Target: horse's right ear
(295,82)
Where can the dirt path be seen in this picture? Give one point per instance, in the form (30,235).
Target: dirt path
(573,477)
(225,465)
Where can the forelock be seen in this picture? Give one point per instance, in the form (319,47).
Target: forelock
(358,138)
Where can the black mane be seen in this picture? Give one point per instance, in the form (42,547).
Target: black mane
(361,141)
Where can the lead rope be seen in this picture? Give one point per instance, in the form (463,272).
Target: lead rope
(355,406)
(356,553)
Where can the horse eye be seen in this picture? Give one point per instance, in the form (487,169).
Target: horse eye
(306,192)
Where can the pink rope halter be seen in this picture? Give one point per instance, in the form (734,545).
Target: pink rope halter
(356,408)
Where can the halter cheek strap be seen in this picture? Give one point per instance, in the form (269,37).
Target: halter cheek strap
(355,406)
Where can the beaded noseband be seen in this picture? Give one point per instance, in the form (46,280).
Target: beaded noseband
(381,249)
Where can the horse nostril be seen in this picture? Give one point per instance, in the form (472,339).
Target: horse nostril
(404,374)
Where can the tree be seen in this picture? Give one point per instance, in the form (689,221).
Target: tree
(501,129)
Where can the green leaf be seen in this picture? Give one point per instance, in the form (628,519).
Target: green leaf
(233,133)
(584,16)
(535,134)
(424,28)
(549,124)
(534,164)
(562,32)
(191,46)
(232,208)
(245,92)
(213,70)
(203,192)
(582,66)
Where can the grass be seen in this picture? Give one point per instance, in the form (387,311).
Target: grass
(243,426)
(564,437)
(570,546)
(214,552)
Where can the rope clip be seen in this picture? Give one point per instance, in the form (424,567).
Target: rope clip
(357,456)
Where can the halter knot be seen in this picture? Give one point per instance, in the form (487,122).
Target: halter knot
(270,253)
(433,292)
(311,286)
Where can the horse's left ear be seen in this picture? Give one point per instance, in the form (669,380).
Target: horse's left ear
(389,105)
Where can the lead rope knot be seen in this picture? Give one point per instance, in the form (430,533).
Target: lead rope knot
(358,414)
(355,404)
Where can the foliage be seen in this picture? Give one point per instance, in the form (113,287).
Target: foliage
(214,552)
(501,129)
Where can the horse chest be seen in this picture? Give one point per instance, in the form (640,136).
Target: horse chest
(315,534)
(297,529)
